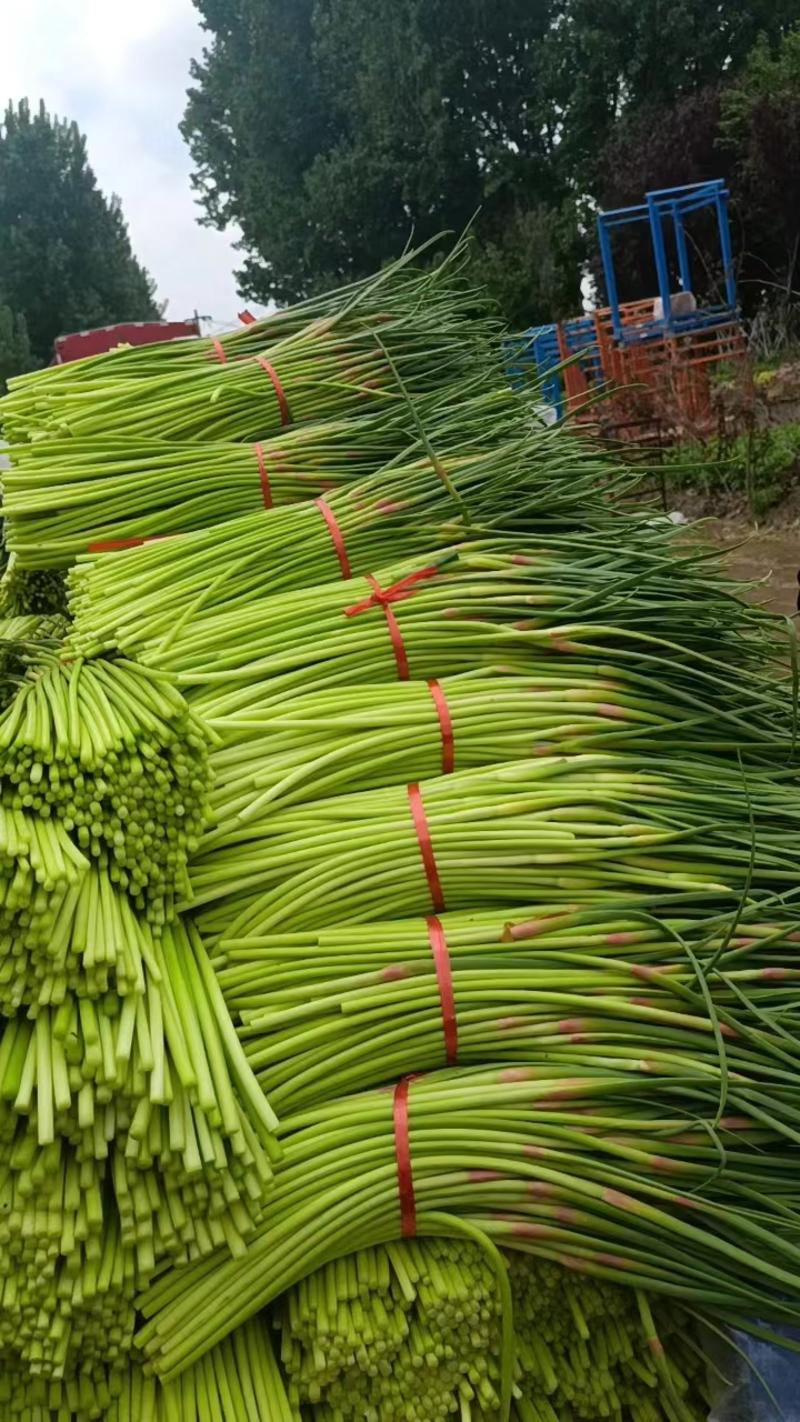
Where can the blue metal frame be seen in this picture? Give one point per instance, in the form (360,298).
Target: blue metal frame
(537,346)
(662,204)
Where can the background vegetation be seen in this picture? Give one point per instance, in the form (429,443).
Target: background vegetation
(329,129)
(65,257)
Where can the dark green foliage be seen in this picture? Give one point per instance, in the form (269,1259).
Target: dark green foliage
(613,58)
(15,346)
(662,147)
(330,130)
(761,127)
(532,266)
(65,256)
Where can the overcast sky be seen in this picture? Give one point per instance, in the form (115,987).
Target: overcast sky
(121,68)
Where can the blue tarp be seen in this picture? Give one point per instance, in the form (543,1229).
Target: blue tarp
(747,1400)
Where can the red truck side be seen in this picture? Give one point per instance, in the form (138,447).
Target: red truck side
(130,333)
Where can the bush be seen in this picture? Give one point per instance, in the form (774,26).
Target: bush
(761,466)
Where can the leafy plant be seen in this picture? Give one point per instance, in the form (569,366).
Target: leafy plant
(761,465)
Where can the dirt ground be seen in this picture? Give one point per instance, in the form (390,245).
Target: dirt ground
(769,557)
(766,554)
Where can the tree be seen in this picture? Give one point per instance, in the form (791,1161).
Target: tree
(663,146)
(761,133)
(65,256)
(610,59)
(331,130)
(15,346)
(533,267)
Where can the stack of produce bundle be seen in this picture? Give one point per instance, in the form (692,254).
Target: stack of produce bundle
(61,497)
(401,1331)
(132,1129)
(563,825)
(117,598)
(494,604)
(47,1198)
(201,391)
(427,1313)
(111,1169)
(64,497)
(112,750)
(348,1007)
(239,1381)
(587,1350)
(614,839)
(431,304)
(356,738)
(571,1167)
(144,443)
(371,735)
(559,879)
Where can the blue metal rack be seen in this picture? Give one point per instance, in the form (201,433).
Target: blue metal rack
(628,347)
(660,206)
(538,346)
(547,347)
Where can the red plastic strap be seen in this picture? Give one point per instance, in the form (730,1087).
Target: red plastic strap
(247,318)
(336,534)
(425,847)
(398,645)
(263,474)
(444,976)
(114,545)
(283,403)
(446,724)
(219,350)
(384,597)
(402,1150)
(398,592)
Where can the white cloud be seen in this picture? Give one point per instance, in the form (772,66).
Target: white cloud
(121,70)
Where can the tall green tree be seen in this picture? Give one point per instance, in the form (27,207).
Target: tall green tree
(664,146)
(611,59)
(761,132)
(332,129)
(15,346)
(65,255)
